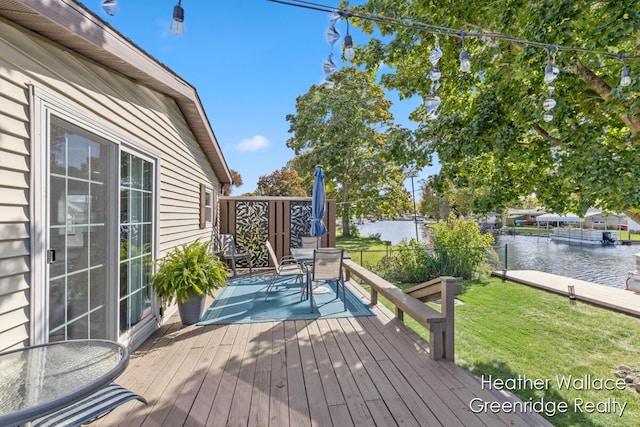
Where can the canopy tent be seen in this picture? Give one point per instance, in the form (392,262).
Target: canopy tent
(552,217)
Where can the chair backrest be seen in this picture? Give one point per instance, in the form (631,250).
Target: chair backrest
(228,244)
(327,264)
(309,242)
(272,254)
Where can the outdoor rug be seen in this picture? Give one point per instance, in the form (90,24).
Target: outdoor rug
(242,301)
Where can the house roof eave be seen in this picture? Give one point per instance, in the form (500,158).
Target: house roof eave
(70,24)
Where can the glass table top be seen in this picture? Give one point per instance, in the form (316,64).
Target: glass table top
(42,379)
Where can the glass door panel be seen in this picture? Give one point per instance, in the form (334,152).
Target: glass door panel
(82,174)
(136,245)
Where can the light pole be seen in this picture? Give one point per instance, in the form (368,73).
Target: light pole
(412,174)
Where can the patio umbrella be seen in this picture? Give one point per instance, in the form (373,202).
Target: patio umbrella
(318,228)
(317,204)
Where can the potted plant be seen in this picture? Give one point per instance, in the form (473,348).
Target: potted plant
(189,273)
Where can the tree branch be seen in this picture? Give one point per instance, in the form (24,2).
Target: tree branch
(555,142)
(603,90)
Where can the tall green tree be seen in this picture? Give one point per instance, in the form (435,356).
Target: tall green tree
(283,182)
(490,135)
(349,130)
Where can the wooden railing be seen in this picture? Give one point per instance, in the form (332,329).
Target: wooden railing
(440,324)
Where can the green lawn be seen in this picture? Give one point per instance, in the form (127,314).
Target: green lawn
(508,330)
(363,250)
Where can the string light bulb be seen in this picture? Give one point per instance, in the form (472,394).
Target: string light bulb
(550,70)
(465,64)
(625,76)
(177,24)
(349,53)
(110,7)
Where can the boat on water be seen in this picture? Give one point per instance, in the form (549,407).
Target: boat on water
(633,278)
(585,237)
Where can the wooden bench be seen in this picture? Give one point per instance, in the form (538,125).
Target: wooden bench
(440,324)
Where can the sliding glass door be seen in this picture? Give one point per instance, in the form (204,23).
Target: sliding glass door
(100,235)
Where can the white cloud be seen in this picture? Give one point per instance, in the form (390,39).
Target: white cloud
(254,143)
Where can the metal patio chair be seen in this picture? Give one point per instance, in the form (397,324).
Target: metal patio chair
(327,266)
(309,242)
(226,249)
(286,266)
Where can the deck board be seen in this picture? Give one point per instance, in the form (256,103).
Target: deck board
(361,371)
(318,406)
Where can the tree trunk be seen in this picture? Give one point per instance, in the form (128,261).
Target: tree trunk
(346,212)
(345,225)
(632,213)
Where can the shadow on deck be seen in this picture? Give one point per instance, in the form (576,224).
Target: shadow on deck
(350,371)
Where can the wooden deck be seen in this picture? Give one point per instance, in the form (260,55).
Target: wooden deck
(620,300)
(361,371)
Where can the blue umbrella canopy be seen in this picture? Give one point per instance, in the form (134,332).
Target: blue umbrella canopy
(318,198)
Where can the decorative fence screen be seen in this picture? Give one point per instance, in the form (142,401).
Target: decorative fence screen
(281,220)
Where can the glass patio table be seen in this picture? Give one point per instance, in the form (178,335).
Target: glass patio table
(305,256)
(39,380)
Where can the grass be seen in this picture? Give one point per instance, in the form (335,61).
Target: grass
(508,330)
(363,250)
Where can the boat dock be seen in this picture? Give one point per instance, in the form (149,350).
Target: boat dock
(621,300)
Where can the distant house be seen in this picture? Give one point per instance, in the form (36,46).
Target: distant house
(107,161)
(521,217)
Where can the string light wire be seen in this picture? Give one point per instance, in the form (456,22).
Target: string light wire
(436,29)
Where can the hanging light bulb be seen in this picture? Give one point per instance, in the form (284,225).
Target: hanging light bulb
(329,67)
(431,104)
(348,53)
(436,53)
(177,24)
(465,64)
(625,76)
(332,34)
(110,7)
(550,70)
(548,104)
(435,74)
(328,84)
(548,73)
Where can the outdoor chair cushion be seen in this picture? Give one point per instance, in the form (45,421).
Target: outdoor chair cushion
(96,405)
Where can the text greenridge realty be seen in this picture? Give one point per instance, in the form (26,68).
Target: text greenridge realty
(547,407)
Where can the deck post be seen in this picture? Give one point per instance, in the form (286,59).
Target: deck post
(448,285)
(374,296)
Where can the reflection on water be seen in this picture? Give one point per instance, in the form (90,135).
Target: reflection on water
(606,265)
(391,230)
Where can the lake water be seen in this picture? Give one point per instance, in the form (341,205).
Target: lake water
(605,265)
(394,231)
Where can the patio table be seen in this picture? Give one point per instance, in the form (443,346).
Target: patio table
(39,380)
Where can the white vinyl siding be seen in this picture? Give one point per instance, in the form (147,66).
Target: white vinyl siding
(147,118)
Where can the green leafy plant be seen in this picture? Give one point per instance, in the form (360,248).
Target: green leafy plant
(187,271)
(460,245)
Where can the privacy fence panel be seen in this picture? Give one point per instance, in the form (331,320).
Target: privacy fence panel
(281,220)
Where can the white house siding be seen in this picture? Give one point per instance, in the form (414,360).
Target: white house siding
(149,119)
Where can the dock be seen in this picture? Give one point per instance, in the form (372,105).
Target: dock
(620,300)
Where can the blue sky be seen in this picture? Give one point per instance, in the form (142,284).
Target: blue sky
(248,60)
